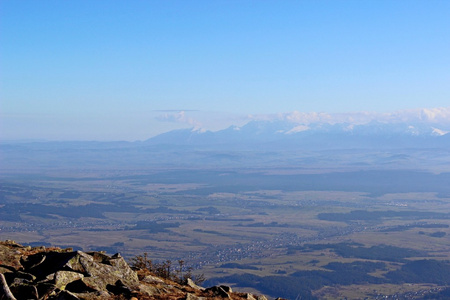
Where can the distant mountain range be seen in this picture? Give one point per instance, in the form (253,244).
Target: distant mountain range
(259,143)
(281,134)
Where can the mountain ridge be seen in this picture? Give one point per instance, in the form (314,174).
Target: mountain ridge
(288,134)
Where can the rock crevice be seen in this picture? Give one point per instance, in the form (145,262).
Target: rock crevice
(60,274)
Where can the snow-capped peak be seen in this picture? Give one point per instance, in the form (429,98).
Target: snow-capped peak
(439,132)
(298,128)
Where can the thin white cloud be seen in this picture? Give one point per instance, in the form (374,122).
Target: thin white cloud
(423,115)
(178,117)
(436,114)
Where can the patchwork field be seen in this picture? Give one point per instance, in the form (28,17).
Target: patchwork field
(246,229)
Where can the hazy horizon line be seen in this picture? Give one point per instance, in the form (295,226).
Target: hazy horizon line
(168,120)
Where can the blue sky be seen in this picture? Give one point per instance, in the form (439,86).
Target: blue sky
(124,70)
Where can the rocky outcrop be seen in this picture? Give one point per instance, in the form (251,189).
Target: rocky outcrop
(62,274)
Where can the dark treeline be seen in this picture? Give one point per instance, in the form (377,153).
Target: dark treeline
(411,226)
(238,266)
(422,271)
(13,211)
(153,226)
(365,215)
(353,250)
(301,283)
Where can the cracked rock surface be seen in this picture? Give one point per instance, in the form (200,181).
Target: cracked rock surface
(60,274)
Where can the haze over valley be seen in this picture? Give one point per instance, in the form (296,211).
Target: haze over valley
(296,149)
(249,206)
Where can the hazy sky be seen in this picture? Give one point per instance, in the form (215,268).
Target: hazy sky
(127,70)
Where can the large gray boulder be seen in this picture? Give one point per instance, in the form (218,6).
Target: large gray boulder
(64,274)
(69,274)
(96,270)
